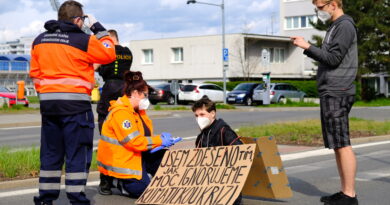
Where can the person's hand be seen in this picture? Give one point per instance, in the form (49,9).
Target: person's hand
(91,20)
(175,140)
(300,42)
(167,139)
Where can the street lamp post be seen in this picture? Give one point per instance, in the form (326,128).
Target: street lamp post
(222,6)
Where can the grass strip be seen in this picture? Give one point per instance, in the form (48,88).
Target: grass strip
(159,107)
(373,103)
(21,164)
(308,132)
(33,99)
(15,109)
(218,106)
(290,103)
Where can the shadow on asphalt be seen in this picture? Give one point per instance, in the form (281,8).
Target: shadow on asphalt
(301,186)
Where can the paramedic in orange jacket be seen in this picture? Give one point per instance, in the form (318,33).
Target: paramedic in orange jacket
(61,69)
(126,140)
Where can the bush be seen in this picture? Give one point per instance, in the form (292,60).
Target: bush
(33,99)
(225,106)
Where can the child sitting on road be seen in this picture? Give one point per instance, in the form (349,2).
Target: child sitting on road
(214,132)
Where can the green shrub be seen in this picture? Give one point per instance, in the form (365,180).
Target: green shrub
(225,106)
(33,99)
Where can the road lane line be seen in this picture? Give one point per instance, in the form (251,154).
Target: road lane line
(321,152)
(26,127)
(35,190)
(18,128)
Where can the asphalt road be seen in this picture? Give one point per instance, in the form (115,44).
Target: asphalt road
(183,123)
(310,177)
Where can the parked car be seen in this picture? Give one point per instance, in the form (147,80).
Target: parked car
(242,94)
(162,93)
(5,93)
(278,92)
(194,92)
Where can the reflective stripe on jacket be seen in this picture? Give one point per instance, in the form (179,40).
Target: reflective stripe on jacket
(122,141)
(62,58)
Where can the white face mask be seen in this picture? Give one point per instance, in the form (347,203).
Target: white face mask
(144,104)
(203,122)
(323,16)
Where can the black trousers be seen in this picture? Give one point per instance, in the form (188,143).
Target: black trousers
(112,90)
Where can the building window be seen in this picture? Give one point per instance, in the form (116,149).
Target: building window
(303,22)
(276,55)
(177,55)
(148,56)
(288,23)
(298,22)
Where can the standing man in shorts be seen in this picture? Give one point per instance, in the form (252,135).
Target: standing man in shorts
(338,63)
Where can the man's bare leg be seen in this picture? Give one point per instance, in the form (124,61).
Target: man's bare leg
(346,164)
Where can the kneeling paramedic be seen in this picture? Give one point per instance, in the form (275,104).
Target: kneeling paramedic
(214,132)
(124,156)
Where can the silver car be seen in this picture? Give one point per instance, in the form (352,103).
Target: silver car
(278,92)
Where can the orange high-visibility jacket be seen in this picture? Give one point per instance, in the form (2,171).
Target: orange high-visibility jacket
(123,140)
(62,59)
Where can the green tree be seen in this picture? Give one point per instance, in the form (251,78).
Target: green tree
(372,18)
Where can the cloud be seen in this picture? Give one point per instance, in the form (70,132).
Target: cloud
(172,4)
(257,6)
(26,20)
(143,19)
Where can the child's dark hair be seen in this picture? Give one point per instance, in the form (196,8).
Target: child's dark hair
(134,81)
(204,102)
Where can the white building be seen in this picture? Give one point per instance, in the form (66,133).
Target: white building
(295,16)
(20,46)
(199,58)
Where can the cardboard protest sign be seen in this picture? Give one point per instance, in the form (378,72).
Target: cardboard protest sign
(212,175)
(267,178)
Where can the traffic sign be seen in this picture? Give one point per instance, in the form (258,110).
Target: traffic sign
(225,54)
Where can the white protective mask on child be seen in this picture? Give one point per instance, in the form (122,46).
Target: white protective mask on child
(144,104)
(203,122)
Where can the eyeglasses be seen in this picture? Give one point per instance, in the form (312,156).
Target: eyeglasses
(81,17)
(321,7)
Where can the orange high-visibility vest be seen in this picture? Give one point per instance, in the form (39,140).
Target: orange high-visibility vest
(123,140)
(61,63)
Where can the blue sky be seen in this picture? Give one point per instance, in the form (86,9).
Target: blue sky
(146,19)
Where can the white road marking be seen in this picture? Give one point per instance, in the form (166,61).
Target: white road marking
(26,127)
(35,190)
(18,128)
(321,152)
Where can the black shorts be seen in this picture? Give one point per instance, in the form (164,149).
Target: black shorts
(334,120)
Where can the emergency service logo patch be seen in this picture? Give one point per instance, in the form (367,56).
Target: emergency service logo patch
(106,45)
(126,125)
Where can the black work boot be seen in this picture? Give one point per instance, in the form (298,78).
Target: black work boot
(37,201)
(342,199)
(105,185)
